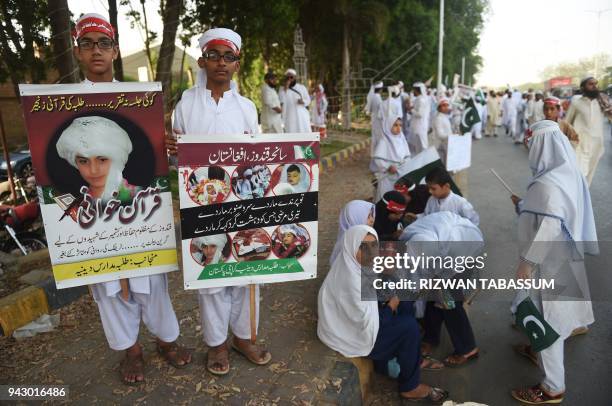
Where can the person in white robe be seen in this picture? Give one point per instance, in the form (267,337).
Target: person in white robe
(442,129)
(354,213)
(556,229)
(295,99)
(271,118)
(318,109)
(587,117)
(493,113)
(419,124)
(509,114)
(124,304)
(213,107)
(391,152)
(521,119)
(373,105)
(443,199)
(538,108)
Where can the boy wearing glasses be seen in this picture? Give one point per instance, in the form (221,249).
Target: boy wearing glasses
(214,107)
(146,297)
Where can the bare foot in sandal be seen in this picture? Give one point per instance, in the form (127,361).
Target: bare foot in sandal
(425,393)
(458,360)
(426,349)
(431,364)
(218,360)
(175,354)
(131,369)
(254,353)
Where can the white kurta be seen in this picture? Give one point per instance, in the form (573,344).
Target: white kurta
(509,115)
(198,113)
(586,117)
(271,121)
(419,124)
(441,131)
(148,300)
(455,204)
(318,111)
(295,115)
(538,111)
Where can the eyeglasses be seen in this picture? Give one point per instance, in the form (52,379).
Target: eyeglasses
(215,56)
(102,44)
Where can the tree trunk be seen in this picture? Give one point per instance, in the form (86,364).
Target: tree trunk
(346,68)
(67,66)
(170,19)
(118,63)
(147,38)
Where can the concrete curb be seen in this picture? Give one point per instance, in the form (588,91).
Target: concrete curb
(26,305)
(329,162)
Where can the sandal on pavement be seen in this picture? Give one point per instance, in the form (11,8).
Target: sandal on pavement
(174,354)
(218,361)
(255,354)
(428,364)
(526,351)
(536,396)
(454,360)
(436,396)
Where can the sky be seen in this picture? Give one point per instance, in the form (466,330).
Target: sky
(520,37)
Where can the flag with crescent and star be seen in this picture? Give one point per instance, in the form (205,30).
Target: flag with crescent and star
(530,321)
(470,116)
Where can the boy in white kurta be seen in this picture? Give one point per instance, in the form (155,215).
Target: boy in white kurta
(442,129)
(443,199)
(214,107)
(122,306)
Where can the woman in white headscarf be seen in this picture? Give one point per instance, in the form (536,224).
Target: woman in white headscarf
(556,229)
(99,149)
(355,212)
(391,152)
(360,328)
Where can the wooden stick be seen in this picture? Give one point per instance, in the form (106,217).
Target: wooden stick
(7,159)
(502,181)
(253,313)
(125,289)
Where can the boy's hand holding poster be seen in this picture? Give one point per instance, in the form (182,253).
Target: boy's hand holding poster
(102,176)
(249,206)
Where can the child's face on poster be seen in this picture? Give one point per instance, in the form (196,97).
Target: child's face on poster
(94,170)
(293,177)
(288,239)
(209,252)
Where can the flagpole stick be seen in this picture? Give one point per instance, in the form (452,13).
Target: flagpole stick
(253,313)
(502,181)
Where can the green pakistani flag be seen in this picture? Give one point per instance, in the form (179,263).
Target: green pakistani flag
(470,116)
(417,167)
(305,152)
(530,321)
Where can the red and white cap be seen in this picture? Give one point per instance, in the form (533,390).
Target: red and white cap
(93,22)
(555,101)
(394,207)
(221,36)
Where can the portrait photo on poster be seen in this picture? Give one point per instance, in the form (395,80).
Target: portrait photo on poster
(211,249)
(251,181)
(251,245)
(290,241)
(290,178)
(106,152)
(208,185)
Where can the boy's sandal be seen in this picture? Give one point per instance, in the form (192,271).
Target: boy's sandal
(454,360)
(436,396)
(132,366)
(525,351)
(579,331)
(254,354)
(536,396)
(218,362)
(174,354)
(431,364)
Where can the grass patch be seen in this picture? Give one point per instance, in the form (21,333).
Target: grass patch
(333,146)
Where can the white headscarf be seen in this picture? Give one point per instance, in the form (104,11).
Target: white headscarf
(291,72)
(94,136)
(557,188)
(346,323)
(218,240)
(421,86)
(356,212)
(390,147)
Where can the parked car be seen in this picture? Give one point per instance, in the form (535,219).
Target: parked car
(21,162)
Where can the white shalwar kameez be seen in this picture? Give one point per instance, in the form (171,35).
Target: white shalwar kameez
(453,203)
(271,121)
(198,113)
(586,117)
(441,131)
(419,124)
(295,115)
(556,229)
(148,301)
(509,116)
